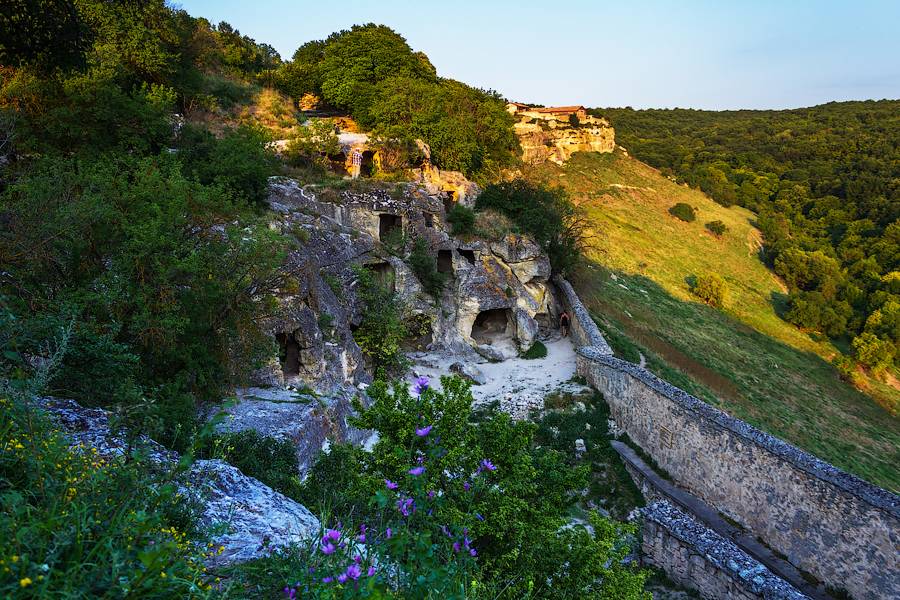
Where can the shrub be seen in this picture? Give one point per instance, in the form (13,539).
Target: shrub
(382,329)
(711,289)
(461,219)
(312,145)
(874,352)
(718,228)
(424,265)
(683,211)
(537,350)
(546,214)
(240,161)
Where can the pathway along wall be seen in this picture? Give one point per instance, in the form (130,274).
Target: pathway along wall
(844,531)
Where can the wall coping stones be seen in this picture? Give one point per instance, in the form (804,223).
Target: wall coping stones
(721,552)
(873,495)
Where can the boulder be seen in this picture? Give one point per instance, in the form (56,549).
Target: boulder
(256,517)
(468,371)
(490,353)
(526,329)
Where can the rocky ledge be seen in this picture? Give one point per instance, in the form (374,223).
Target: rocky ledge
(257,517)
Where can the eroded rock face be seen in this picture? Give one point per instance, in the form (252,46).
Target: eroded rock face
(257,517)
(308,421)
(557,141)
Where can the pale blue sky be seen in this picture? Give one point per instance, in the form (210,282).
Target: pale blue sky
(641,53)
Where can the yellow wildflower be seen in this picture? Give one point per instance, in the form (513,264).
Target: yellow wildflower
(25,581)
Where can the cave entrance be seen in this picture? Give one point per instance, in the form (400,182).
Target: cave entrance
(469,255)
(445,261)
(389,224)
(367,166)
(288,354)
(450,198)
(384,274)
(429,219)
(492,326)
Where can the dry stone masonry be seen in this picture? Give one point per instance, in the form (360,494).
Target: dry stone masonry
(842,530)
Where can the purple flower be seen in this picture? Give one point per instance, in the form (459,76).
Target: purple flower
(421,385)
(467,486)
(361,538)
(406,507)
(327,579)
(416,471)
(291,593)
(328,548)
(423,431)
(357,559)
(487,465)
(353,572)
(342,578)
(430,494)
(331,534)
(388,533)
(371,571)
(390,484)
(456,546)
(472,552)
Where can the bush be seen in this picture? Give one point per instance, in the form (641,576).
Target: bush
(717,227)
(382,330)
(874,352)
(461,219)
(240,161)
(683,211)
(711,289)
(424,265)
(537,350)
(313,144)
(546,214)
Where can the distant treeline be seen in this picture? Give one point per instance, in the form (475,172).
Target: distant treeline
(825,182)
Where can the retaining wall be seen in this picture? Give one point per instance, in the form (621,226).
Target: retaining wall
(700,559)
(844,531)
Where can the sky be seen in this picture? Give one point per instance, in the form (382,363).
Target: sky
(718,55)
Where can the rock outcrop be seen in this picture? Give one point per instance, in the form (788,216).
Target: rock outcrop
(256,517)
(555,134)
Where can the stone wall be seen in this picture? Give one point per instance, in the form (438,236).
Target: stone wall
(699,558)
(844,531)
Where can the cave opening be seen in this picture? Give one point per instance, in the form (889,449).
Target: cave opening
(445,261)
(367,166)
(388,224)
(384,274)
(449,201)
(288,354)
(492,326)
(469,255)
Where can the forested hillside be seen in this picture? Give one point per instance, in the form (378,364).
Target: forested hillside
(825,183)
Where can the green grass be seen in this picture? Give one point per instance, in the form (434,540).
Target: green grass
(745,359)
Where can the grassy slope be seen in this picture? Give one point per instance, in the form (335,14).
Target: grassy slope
(747,361)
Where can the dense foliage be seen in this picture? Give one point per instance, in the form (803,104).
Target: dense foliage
(371,72)
(546,214)
(824,181)
(160,259)
(461,483)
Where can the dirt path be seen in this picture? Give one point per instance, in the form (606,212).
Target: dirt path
(518,384)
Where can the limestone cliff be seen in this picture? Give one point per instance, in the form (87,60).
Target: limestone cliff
(557,133)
